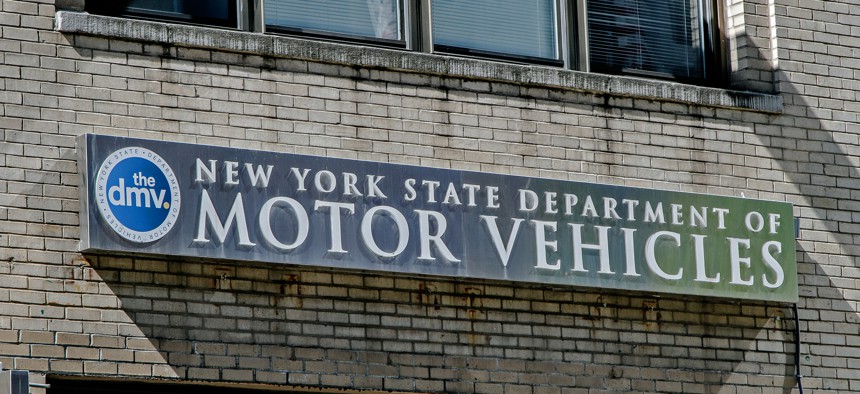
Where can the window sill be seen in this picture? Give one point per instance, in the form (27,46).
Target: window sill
(286,47)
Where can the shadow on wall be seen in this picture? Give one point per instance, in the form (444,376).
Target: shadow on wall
(281,325)
(810,148)
(813,150)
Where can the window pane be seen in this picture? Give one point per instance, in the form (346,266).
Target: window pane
(157,5)
(512,27)
(375,19)
(210,12)
(658,38)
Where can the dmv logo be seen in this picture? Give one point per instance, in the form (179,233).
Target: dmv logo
(137,194)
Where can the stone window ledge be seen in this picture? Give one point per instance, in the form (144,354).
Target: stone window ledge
(72,22)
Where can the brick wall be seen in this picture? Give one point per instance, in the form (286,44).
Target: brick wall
(820,147)
(63,313)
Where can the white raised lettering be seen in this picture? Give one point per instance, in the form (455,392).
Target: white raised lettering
(431,189)
(367,231)
(737,262)
(528,200)
(654,214)
(373,186)
(202,170)
(258,177)
(266,223)
(602,248)
(231,172)
(629,252)
(411,193)
(651,258)
(721,217)
(550,203)
(492,197)
(631,208)
(300,178)
(754,221)
(677,215)
(588,208)
(209,215)
(542,244)
(773,220)
(335,209)
(773,264)
(701,267)
(426,238)
(699,217)
(609,205)
(325,185)
(451,197)
(471,189)
(505,250)
(349,181)
(569,201)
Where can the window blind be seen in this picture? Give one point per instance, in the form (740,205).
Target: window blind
(513,27)
(655,38)
(372,19)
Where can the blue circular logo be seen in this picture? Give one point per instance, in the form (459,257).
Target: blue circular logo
(137,194)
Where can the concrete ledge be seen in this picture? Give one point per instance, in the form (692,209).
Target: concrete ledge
(71,22)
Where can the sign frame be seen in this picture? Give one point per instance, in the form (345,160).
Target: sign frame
(272,207)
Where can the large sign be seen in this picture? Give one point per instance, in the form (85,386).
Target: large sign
(172,199)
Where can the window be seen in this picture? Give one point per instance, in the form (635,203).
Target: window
(378,20)
(667,39)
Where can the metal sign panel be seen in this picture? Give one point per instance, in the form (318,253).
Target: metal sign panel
(174,199)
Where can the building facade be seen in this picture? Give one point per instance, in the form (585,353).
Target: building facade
(767,112)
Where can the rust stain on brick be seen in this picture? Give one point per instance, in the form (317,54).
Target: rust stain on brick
(777,319)
(471,299)
(595,310)
(291,287)
(81,268)
(427,295)
(476,339)
(223,281)
(650,314)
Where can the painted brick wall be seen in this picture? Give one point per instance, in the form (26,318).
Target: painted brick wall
(63,313)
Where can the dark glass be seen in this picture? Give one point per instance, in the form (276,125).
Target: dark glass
(206,12)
